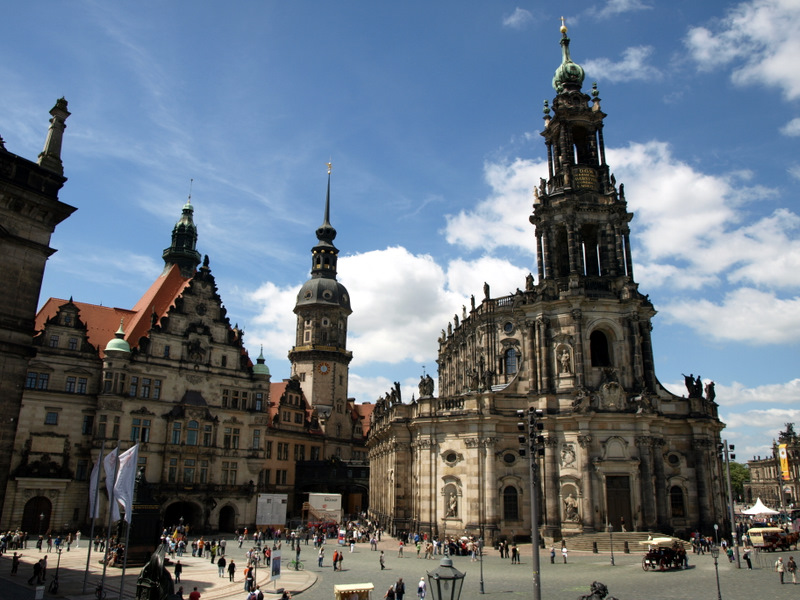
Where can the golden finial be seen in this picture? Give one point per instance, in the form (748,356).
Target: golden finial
(563,26)
(329,167)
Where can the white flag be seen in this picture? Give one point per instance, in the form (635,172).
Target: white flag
(126,480)
(110,466)
(94,506)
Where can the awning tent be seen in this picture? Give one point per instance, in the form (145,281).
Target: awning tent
(759,508)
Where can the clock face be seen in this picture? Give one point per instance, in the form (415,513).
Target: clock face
(324,368)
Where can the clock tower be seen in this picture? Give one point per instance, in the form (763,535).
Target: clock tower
(320,357)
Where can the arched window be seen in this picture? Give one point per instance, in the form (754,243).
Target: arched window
(192,431)
(510,504)
(511,360)
(676,502)
(598,343)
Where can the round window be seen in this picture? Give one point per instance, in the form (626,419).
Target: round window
(307,295)
(508,327)
(674,460)
(327,294)
(451,457)
(509,457)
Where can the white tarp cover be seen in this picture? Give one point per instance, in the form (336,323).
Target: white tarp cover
(759,508)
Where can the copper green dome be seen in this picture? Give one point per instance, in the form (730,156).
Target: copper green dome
(118,344)
(569,75)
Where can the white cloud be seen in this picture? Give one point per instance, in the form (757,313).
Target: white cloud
(497,221)
(744,315)
(616,7)
(759,39)
(518,19)
(795,171)
(792,128)
(632,66)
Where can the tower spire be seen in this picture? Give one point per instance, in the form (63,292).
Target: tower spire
(324,254)
(183,251)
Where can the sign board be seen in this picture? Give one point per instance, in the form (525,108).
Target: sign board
(275,565)
(325,507)
(271,510)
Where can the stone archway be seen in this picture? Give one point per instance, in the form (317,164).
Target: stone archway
(36,515)
(227,519)
(190,512)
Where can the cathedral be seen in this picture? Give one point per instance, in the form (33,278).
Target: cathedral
(173,375)
(619,450)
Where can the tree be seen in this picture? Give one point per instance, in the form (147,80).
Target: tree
(740,474)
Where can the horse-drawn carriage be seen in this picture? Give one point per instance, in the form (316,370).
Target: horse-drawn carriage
(663,554)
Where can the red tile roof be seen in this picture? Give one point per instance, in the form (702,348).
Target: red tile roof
(102,322)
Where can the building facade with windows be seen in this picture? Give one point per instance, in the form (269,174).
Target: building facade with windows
(173,375)
(29,213)
(574,342)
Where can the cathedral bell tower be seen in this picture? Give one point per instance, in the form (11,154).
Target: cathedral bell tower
(320,357)
(583,238)
(183,250)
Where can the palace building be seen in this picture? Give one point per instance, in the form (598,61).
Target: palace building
(172,374)
(573,342)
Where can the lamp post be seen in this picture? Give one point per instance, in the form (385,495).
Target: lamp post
(480,549)
(445,581)
(611,541)
(715,554)
(728,458)
(716,534)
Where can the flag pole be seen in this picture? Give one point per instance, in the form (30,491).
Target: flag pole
(129,518)
(125,555)
(111,501)
(94,511)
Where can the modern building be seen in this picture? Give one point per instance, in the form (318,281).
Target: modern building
(29,213)
(172,374)
(573,342)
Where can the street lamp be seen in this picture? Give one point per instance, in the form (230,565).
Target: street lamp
(611,541)
(445,581)
(54,584)
(480,549)
(715,554)
(716,534)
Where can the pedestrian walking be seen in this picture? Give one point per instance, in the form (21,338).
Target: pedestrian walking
(320,555)
(421,587)
(382,560)
(552,555)
(15,563)
(514,554)
(389,595)
(178,571)
(564,553)
(780,568)
(399,589)
(746,557)
(195,595)
(341,558)
(221,566)
(231,570)
(791,566)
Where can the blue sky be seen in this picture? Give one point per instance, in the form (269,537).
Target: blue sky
(430,113)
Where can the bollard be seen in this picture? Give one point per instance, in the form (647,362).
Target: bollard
(627,550)
(594,547)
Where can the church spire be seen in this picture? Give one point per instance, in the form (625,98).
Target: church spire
(569,75)
(183,251)
(324,254)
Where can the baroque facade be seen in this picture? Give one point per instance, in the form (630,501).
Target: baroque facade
(173,374)
(574,342)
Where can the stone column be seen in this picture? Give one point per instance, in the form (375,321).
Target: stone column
(577,316)
(552,517)
(645,443)
(702,480)
(572,250)
(662,512)
(628,258)
(546,237)
(491,503)
(587,472)
(539,258)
